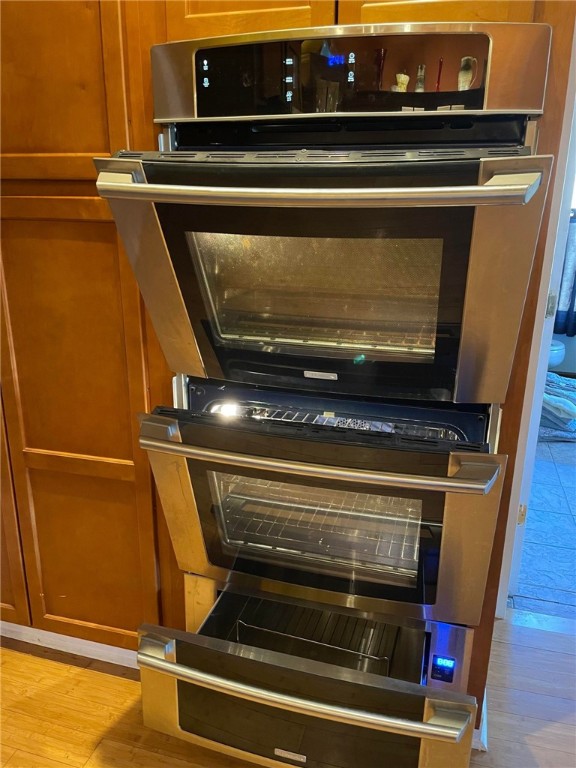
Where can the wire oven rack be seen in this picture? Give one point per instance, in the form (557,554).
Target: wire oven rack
(270,518)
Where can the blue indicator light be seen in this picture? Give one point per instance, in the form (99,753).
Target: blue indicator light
(336,60)
(446,663)
(359,359)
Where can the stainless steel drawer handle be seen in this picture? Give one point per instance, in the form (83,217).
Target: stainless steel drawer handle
(472,477)
(501,189)
(445,725)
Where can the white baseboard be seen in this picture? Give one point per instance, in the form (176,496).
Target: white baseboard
(480,738)
(67,644)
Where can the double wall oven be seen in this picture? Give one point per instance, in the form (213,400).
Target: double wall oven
(336,269)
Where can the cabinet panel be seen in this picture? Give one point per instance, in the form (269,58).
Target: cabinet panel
(13,599)
(62,89)
(89,557)
(211,18)
(394,11)
(65,307)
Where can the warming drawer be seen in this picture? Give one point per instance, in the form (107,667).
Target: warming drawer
(288,683)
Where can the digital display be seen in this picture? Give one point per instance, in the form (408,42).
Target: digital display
(443,668)
(334,61)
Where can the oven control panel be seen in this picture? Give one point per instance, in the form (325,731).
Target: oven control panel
(376,73)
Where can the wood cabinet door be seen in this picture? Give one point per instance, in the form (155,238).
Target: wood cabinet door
(397,11)
(74,384)
(63,95)
(187,19)
(13,599)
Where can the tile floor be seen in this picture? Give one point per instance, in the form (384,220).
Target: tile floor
(547,582)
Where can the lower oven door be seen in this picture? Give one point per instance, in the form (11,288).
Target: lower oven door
(322,514)
(281,684)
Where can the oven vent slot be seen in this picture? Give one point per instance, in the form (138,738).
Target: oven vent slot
(328,156)
(226,156)
(505,152)
(383,153)
(275,156)
(180,155)
(442,153)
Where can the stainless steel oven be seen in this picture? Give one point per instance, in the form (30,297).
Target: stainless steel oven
(350,252)
(368,505)
(336,267)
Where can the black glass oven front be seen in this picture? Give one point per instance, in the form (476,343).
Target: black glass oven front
(350,300)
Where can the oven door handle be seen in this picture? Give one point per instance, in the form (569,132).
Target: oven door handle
(448,725)
(501,189)
(470,477)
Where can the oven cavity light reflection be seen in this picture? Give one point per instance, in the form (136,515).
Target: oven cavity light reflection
(228,410)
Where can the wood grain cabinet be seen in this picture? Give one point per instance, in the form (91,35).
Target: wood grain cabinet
(73,371)
(186,19)
(397,11)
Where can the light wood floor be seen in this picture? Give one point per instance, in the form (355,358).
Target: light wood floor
(56,713)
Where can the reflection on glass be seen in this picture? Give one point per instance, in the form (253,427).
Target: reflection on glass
(339,74)
(269,520)
(375,296)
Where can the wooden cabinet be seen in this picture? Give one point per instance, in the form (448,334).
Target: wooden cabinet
(74,373)
(398,11)
(186,19)
(62,88)
(73,386)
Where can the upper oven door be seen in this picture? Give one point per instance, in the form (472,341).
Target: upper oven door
(336,276)
(318,513)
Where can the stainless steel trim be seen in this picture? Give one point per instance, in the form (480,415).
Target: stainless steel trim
(511,189)
(494,421)
(514,49)
(445,725)
(501,254)
(470,477)
(143,240)
(180,391)
(322,115)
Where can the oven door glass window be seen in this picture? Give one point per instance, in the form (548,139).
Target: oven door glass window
(371,536)
(352,296)
(283,293)
(341,536)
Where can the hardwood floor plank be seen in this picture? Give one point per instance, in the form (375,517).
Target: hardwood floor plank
(525,678)
(48,740)
(540,660)
(528,637)
(5,754)
(110,754)
(22,759)
(533,731)
(516,754)
(529,704)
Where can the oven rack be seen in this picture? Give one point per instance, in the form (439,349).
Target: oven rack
(360,644)
(374,533)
